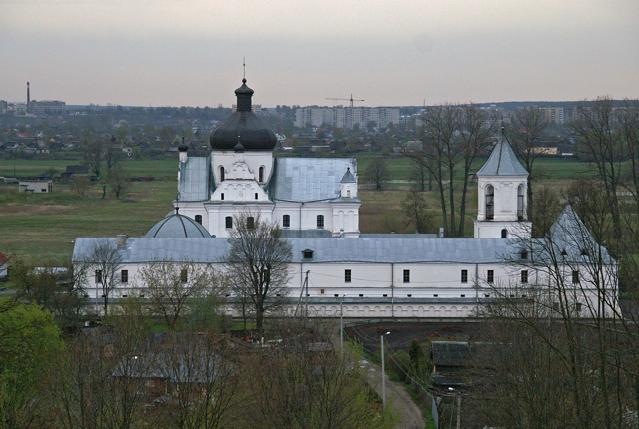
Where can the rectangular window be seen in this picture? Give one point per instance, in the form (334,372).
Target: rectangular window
(524,276)
(198,219)
(347,276)
(124,276)
(286,221)
(184,276)
(98,276)
(490,276)
(229,222)
(575,277)
(322,291)
(464,276)
(406,276)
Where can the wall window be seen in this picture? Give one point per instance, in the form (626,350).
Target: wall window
(124,276)
(256,196)
(520,202)
(464,276)
(229,222)
(184,275)
(490,276)
(320,221)
(307,253)
(524,254)
(221,174)
(524,276)
(348,193)
(286,221)
(250,222)
(490,202)
(261,175)
(222,196)
(504,233)
(98,276)
(198,219)
(347,276)
(406,276)
(575,277)
(321,291)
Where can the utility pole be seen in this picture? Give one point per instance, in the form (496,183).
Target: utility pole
(341,326)
(458,410)
(383,372)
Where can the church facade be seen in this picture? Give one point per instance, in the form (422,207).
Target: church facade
(334,268)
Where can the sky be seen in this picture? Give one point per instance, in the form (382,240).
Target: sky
(300,52)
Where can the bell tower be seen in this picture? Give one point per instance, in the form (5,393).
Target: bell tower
(502,182)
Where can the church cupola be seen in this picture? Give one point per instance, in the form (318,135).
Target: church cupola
(348,188)
(243,127)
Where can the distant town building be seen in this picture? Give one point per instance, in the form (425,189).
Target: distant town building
(346,117)
(36,186)
(553,115)
(47,107)
(4,107)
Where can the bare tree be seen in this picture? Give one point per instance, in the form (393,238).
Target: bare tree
(80,185)
(105,261)
(416,212)
(599,141)
(257,263)
(453,136)
(377,172)
(421,176)
(118,181)
(92,153)
(205,379)
(172,285)
(628,118)
(524,132)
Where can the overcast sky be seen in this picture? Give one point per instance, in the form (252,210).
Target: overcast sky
(160,52)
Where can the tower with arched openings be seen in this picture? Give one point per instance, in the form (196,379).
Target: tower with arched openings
(502,188)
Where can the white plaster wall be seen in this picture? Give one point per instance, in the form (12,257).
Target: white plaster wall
(492,229)
(217,214)
(505,196)
(254,159)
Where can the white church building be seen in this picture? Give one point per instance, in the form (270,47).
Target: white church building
(336,268)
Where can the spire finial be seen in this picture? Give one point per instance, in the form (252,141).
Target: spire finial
(244,69)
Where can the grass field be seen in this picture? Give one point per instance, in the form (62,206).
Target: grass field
(43,226)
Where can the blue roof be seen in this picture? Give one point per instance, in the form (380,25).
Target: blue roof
(309,179)
(194,179)
(177,226)
(374,249)
(502,162)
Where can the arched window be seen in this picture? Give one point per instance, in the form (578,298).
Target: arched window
(504,233)
(520,202)
(250,222)
(261,174)
(222,196)
(198,219)
(490,202)
(286,221)
(229,222)
(221,173)
(320,221)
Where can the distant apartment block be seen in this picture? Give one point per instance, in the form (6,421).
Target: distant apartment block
(47,107)
(346,117)
(4,107)
(553,115)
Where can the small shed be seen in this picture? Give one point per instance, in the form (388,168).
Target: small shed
(36,186)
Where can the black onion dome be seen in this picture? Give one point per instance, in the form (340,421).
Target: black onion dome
(243,128)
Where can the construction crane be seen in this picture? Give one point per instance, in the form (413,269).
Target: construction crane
(351,100)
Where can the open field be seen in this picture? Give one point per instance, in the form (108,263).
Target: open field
(43,226)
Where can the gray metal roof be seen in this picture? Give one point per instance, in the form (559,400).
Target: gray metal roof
(502,162)
(348,177)
(309,179)
(177,226)
(194,179)
(375,249)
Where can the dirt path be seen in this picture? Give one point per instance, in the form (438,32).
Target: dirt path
(409,414)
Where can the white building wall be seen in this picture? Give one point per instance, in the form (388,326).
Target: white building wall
(254,160)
